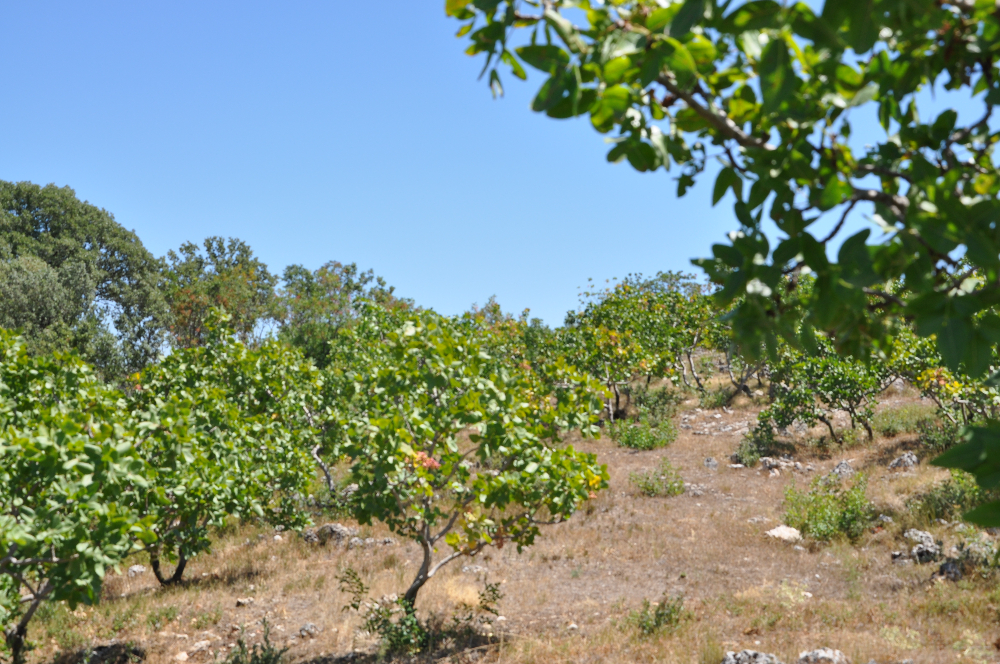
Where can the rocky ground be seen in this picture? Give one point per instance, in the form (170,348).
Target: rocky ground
(568,598)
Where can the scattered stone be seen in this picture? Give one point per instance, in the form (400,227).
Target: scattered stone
(798,547)
(572,626)
(774,472)
(334,532)
(758,519)
(388,541)
(244,601)
(843,470)
(950,569)
(908,460)
(736,466)
(695,490)
(309,536)
(309,630)
(884,518)
(823,656)
(785,534)
(711,463)
(750,657)
(136,570)
(355,542)
(181,657)
(926,549)
(474,569)
(199,646)
(277,538)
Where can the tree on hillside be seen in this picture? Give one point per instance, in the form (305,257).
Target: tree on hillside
(316,305)
(73,278)
(459,450)
(769,92)
(221,274)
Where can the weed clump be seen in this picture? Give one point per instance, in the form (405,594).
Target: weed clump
(828,510)
(908,418)
(656,616)
(714,399)
(260,653)
(663,481)
(642,436)
(938,435)
(950,499)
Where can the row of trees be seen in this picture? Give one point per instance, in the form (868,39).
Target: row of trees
(72,278)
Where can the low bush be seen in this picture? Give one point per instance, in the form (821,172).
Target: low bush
(400,632)
(950,499)
(657,406)
(641,435)
(939,435)
(660,482)
(655,616)
(908,418)
(260,653)
(828,510)
(712,399)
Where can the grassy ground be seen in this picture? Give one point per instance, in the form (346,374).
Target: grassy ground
(569,598)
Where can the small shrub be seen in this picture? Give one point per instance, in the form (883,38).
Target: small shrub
(758,442)
(654,616)
(712,399)
(396,623)
(160,617)
(938,435)
(904,419)
(260,653)
(950,499)
(828,510)
(642,436)
(663,481)
(207,619)
(657,406)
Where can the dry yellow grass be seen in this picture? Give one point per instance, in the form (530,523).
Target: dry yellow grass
(568,597)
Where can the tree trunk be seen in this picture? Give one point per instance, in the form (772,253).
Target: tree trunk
(829,425)
(15,635)
(175,578)
(423,575)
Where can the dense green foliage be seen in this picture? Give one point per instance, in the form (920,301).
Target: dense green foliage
(421,472)
(226,435)
(224,275)
(810,387)
(73,278)
(828,509)
(70,481)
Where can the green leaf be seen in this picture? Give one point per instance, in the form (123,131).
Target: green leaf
(777,77)
(454,7)
(952,341)
(546,58)
(689,14)
(660,18)
(728,179)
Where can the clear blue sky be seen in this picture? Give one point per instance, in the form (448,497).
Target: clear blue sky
(320,131)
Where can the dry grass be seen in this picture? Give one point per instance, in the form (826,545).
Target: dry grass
(567,598)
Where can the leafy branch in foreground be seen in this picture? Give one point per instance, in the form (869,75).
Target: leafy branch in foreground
(771,92)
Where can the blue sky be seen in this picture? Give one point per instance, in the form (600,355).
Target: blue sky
(320,131)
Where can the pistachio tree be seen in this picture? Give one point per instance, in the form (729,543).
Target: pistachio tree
(812,387)
(69,484)
(454,448)
(226,433)
(769,95)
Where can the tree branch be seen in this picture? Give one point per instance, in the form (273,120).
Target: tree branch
(722,123)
